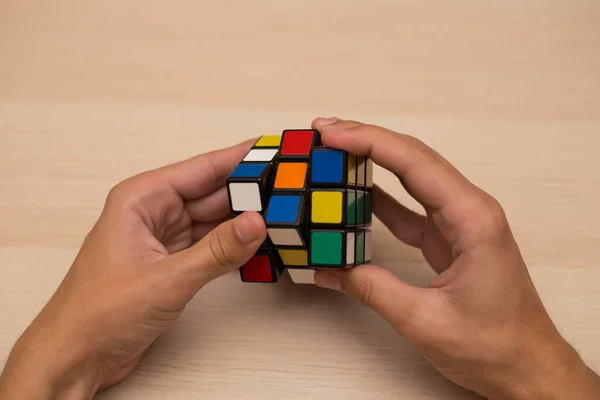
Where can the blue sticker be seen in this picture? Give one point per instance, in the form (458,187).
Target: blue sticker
(327,166)
(248,170)
(283,209)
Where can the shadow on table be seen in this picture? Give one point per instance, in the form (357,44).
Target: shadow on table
(232,331)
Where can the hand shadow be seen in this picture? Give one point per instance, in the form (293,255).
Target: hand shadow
(399,366)
(233,331)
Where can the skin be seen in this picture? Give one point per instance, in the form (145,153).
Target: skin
(163,235)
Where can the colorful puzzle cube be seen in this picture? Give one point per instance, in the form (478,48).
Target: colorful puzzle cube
(316,202)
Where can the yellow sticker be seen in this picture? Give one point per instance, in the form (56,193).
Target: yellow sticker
(360,168)
(327,207)
(268,141)
(351,169)
(294,257)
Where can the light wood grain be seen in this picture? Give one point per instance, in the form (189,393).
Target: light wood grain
(93,92)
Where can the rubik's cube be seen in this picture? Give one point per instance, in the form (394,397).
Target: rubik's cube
(316,202)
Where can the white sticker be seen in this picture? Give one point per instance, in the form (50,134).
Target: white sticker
(245,196)
(285,237)
(261,155)
(370,167)
(306,276)
(360,175)
(350,248)
(368,245)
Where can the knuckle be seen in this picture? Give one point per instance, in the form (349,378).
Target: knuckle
(363,291)
(121,191)
(421,318)
(491,216)
(416,144)
(495,213)
(218,248)
(128,191)
(354,127)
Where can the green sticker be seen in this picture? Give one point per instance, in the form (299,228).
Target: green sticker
(360,247)
(326,248)
(360,207)
(368,208)
(351,217)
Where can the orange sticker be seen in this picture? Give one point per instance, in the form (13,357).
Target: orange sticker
(291,176)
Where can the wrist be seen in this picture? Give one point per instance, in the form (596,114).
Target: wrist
(552,371)
(564,376)
(43,368)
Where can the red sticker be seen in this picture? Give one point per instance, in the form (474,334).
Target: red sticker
(297,143)
(257,269)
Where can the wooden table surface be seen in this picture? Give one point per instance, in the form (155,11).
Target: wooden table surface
(93,92)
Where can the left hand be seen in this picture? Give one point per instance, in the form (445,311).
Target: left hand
(134,275)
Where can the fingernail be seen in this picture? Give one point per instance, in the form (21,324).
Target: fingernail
(328,280)
(246,228)
(327,121)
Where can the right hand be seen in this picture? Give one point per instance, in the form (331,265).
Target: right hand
(480,322)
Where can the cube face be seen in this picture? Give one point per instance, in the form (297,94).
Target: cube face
(351,207)
(368,208)
(369,173)
(249,170)
(328,167)
(351,170)
(294,257)
(332,249)
(245,196)
(326,248)
(261,268)
(316,202)
(247,186)
(291,176)
(368,246)
(284,219)
(360,247)
(302,276)
(328,207)
(297,143)
(360,207)
(260,155)
(273,141)
(350,248)
(286,237)
(361,172)
(284,210)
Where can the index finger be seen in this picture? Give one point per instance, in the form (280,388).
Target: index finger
(205,173)
(426,175)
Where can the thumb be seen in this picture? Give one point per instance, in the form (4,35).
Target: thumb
(224,249)
(378,289)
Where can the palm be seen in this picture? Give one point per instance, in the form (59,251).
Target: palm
(172,234)
(171,224)
(163,217)
(166,224)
